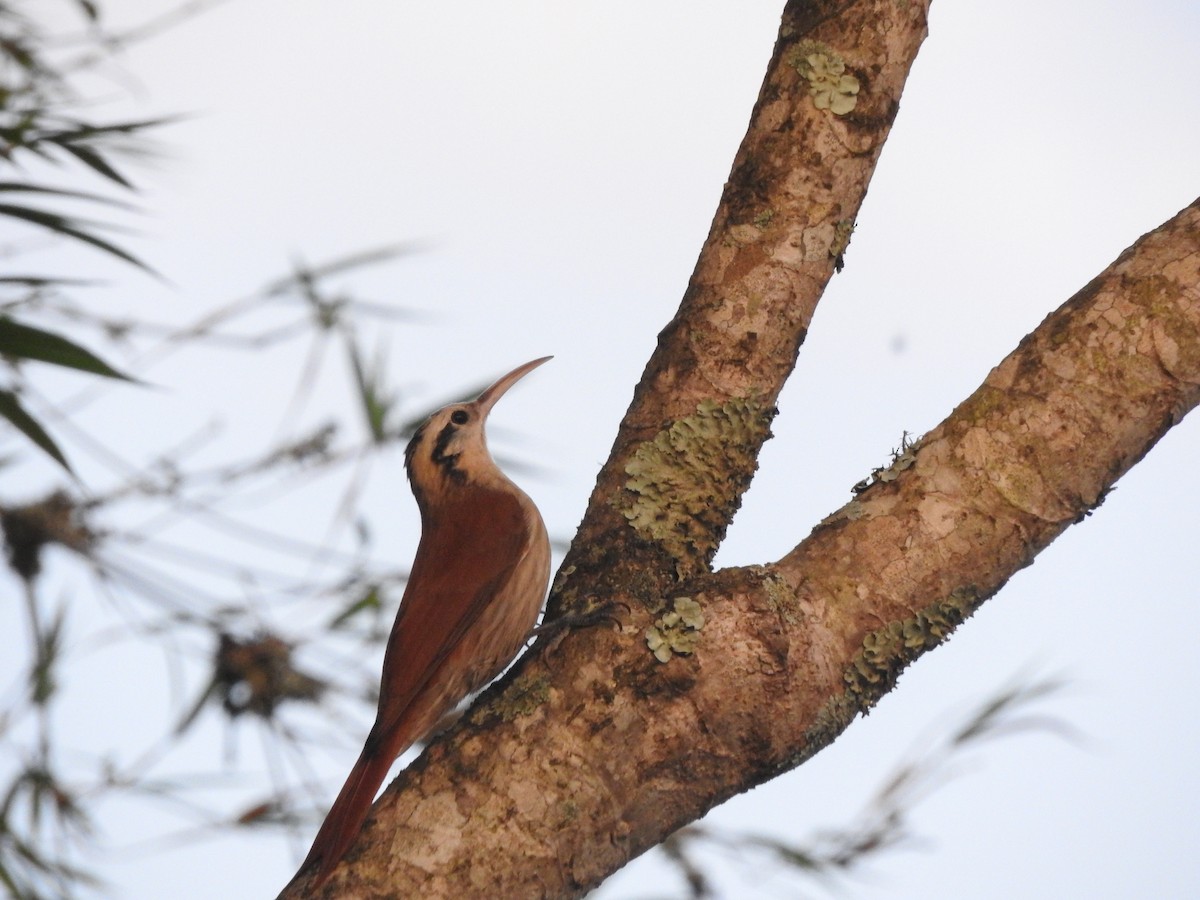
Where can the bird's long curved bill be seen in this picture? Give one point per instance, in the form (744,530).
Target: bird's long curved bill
(488,398)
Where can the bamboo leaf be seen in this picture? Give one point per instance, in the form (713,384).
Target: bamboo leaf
(376,405)
(89,9)
(83,131)
(37,281)
(371,600)
(94,161)
(26,342)
(70,228)
(24,188)
(12,410)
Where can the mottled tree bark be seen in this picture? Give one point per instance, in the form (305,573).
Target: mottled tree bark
(594,749)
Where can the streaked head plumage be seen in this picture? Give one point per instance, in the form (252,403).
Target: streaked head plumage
(450,448)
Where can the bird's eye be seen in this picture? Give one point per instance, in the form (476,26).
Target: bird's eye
(460,417)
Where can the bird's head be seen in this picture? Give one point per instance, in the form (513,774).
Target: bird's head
(450,449)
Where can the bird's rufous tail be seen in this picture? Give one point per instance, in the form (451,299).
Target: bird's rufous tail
(347,814)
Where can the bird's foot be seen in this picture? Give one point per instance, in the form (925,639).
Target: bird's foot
(605,612)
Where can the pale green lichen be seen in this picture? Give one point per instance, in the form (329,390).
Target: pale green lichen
(782,598)
(763,219)
(887,651)
(559,593)
(903,461)
(678,491)
(676,631)
(834,716)
(841,240)
(825,71)
(853,511)
(525,695)
(903,457)
(569,811)
(560,579)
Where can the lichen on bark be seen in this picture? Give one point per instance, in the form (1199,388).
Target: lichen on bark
(677,491)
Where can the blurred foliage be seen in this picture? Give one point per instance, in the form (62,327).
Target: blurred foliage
(34,91)
(230,617)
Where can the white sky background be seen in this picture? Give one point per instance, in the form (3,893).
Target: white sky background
(561,164)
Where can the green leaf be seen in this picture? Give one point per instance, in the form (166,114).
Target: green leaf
(376,405)
(84,131)
(43,682)
(12,410)
(94,161)
(69,228)
(89,9)
(370,600)
(36,281)
(18,187)
(25,342)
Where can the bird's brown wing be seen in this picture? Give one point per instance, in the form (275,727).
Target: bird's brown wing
(464,559)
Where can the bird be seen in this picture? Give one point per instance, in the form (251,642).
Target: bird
(473,596)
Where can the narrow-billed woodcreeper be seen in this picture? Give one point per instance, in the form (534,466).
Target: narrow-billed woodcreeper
(473,596)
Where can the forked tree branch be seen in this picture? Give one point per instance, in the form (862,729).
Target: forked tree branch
(784,219)
(593,750)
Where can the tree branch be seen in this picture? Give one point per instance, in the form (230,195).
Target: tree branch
(708,392)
